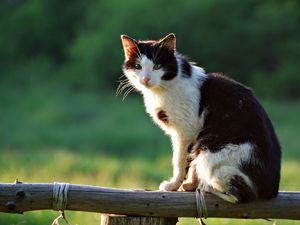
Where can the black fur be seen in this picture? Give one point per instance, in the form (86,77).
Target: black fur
(233,115)
(186,68)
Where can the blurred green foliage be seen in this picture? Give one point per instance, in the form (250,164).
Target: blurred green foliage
(52,134)
(59,65)
(77,43)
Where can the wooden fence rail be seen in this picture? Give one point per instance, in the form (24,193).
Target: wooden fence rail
(23,197)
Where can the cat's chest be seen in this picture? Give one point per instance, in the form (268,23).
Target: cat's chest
(162,108)
(173,112)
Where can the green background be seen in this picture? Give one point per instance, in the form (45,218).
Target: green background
(60,62)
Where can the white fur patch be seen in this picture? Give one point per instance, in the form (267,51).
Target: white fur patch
(180,99)
(215,170)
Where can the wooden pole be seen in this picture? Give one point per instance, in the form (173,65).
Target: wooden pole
(131,220)
(23,197)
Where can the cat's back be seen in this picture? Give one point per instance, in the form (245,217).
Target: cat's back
(233,109)
(235,116)
(219,91)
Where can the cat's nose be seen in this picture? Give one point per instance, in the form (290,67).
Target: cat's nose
(146,79)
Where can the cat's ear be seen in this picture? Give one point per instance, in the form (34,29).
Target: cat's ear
(169,41)
(129,46)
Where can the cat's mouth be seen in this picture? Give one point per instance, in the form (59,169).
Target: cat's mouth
(150,86)
(147,84)
(146,81)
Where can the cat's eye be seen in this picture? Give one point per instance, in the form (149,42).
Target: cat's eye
(157,66)
(137,66)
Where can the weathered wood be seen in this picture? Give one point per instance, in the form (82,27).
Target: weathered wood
(131,220)
(22,197)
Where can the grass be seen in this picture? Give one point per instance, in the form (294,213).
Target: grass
(51,134)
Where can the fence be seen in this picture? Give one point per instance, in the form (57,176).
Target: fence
(144,206)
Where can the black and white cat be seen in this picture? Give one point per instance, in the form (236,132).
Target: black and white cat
(223,141)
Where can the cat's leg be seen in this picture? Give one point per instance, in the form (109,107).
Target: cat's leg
(180,164)
(192,182)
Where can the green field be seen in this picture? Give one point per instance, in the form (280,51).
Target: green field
(52,134)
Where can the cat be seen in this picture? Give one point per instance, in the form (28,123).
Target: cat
(223,141)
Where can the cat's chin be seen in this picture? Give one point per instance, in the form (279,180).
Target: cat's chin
(152,87)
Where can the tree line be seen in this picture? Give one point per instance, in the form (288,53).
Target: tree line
(77,43)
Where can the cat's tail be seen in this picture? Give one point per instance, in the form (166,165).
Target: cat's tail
(241,190)
(238,191)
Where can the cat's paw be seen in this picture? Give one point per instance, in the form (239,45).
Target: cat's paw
(188,187)
(169,185)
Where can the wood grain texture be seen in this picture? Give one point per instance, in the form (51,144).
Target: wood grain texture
(23,197)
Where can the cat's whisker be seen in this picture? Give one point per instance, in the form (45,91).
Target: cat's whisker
(124,81)
(122,86)
(121,89)
(122,77)
(127,92)
(121,82)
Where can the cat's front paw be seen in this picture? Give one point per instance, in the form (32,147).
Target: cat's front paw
(169,185)
(188,187)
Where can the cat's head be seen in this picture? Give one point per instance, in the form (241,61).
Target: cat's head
(150,64)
